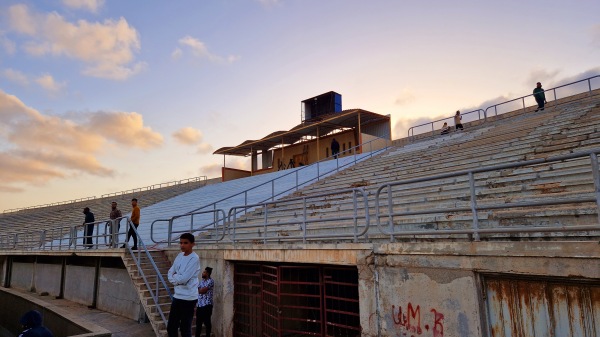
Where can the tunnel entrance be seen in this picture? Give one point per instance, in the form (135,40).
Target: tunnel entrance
(279,300)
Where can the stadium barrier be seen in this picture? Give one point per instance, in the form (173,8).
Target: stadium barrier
(385,192)
(484,112)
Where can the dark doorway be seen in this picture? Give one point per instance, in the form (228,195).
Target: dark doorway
(295,300)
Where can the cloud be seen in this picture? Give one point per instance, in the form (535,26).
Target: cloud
(125,128)
(47,82)
(540,75)
(211,170)
(36,148)
(214,170)
(406,96)
(595,31)
(205,148)
(402,125)
(176,54)
(106,48)
(90,5)
(269,3)
(8,45)
(199,50)
(15,76)
(187,136)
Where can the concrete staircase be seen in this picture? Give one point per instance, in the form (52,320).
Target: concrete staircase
(569,127)
(149,304)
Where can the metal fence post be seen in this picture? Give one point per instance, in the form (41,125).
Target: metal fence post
(474,207)
(169,231)
(272,189)
(596,175)
(589,87)
(390,209)
(354,202)
(304,220)
(266,220)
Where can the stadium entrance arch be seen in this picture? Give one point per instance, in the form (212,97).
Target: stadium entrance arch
(273,299)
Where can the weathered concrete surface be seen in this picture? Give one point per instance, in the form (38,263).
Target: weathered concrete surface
(58,320)
(22,275)
(79,284)
(117,295)
(47,278)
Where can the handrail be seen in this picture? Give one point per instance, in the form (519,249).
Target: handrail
(304,220)
(522,98)
(160,281)
(297,185)
(495,106)
(139,189)
(474,207)
(479,111)
(215,223)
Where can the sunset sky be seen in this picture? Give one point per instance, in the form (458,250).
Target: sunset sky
(99,96)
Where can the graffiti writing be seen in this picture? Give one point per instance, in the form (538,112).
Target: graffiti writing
(409,319)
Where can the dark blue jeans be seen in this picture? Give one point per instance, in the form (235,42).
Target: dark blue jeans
(540,102)
(89,231)
(180,317)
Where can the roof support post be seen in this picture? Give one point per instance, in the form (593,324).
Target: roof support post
(359,135)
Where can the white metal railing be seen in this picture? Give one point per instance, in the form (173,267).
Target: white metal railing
(386,196)
(277,230)
(483,113)
(221,204)
(121,193)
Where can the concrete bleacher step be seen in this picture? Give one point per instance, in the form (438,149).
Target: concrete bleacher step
(509,142)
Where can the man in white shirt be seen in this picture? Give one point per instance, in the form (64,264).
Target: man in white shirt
(183,274)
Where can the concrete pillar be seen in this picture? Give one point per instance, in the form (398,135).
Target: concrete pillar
(254,161)
(267,158)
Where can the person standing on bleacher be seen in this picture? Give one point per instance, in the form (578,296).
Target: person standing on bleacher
(135,219)
(115,226)
(540,97)
(88,227)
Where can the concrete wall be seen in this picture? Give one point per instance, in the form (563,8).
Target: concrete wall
(116,294)
(22,275)
(59,322)
(47,278)
(79,284)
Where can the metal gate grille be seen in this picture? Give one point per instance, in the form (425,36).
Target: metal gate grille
(531,308)
(295,300)
(247,301)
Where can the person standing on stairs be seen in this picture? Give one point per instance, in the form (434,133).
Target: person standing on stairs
(135,219)
(183,274)
(205,302)
(115,225)
(540,96)
(458,121)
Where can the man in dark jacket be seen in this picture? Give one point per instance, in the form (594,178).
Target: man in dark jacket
(540,97)
(335,148)
(88,227)
(32,323)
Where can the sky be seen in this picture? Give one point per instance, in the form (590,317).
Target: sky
(101,96)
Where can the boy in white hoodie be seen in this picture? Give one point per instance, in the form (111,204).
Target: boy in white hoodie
(183,274)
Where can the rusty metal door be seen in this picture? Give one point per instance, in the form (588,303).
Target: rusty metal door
(247,300)
(296,300)
(270,301)
(340,292)
(534,308)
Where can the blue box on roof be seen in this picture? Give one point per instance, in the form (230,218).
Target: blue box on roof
(324,104)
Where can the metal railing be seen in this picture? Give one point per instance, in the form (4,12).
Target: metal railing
(140,189)
(298,184)
(217,223)
(521,99)
(480,113)
(280,233)
(474,207)
(159,285)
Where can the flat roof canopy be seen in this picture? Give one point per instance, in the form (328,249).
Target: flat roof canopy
(346,119)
